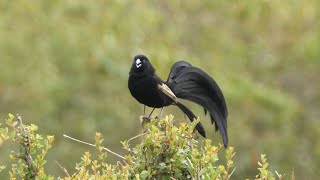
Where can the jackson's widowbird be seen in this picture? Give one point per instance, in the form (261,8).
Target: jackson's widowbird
(185,82)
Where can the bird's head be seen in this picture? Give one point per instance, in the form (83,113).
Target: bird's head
(141,64)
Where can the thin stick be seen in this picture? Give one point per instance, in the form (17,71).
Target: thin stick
(136,136)
(63,169)
(77,140)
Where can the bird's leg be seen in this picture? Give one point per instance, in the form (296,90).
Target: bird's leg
(144,110)
(144,117)
(160,115)
(151,113)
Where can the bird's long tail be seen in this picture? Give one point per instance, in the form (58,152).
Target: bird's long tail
(193,84)
(192,117)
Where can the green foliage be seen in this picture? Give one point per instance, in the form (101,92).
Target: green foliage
(170,151)
(167,151)
(264,173)
(29,161)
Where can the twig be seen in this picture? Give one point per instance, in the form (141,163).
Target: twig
(136,136)
(292,174)
(26,146)
(63,169)
(77,140)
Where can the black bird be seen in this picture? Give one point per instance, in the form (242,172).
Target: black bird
(185,82)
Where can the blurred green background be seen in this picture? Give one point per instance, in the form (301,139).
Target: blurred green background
(64,66)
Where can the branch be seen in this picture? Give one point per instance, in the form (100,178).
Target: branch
(136,136)
(26,146)
(77,140)
(63,169)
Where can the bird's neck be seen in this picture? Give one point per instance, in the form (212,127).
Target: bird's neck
(145,73)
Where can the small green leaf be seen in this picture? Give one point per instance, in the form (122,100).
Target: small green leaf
(2,168)
(13,157)
(33,127)
(50,139)
(144,175)
(2,132)
(11,116)
(6,131)
(189,162)
(13,134)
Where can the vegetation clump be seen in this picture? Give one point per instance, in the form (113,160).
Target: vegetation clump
(166,151)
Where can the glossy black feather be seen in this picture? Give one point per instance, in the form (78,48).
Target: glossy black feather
(193,84)
(192,117)
(143,82)
(186,82)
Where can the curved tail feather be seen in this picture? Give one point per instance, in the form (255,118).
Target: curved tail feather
(191,116)
(193,84)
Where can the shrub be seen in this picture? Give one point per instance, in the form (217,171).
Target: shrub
(166,151)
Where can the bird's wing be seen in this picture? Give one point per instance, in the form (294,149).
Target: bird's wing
(167,91)
(176,68)
(193,84)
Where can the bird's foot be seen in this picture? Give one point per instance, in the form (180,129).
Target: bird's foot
(160,115)
(145,119)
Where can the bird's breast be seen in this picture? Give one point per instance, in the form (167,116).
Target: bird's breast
(145,91)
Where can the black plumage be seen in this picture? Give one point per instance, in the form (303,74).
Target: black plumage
(185,82)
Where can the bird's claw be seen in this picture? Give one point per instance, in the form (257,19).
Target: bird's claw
(145,119)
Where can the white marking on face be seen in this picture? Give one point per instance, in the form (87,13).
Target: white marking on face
(138,63)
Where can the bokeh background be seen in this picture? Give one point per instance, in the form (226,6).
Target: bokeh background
(64,66)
